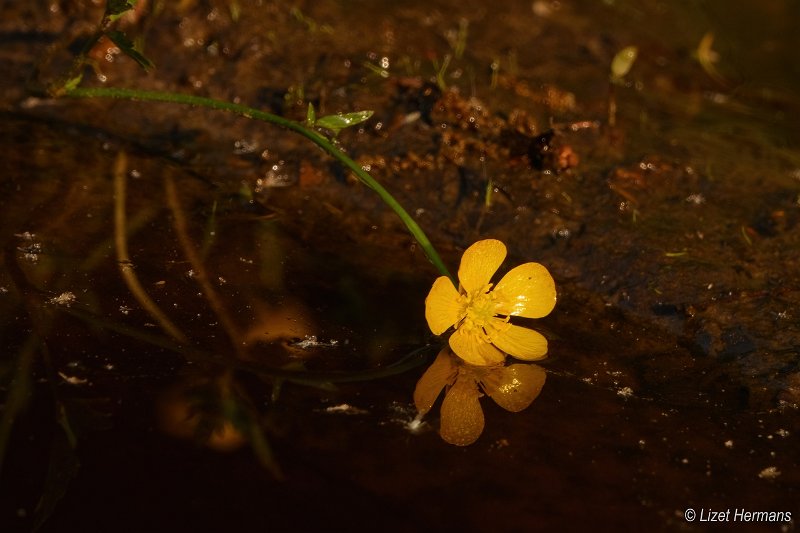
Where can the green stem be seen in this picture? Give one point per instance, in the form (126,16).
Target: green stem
(317,138)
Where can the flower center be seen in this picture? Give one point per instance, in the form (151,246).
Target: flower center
(480,312)
(480,307)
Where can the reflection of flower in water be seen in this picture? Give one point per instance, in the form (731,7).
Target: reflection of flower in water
(481,314)
(193,409)
(512,387)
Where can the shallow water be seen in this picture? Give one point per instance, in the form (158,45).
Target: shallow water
(673,237)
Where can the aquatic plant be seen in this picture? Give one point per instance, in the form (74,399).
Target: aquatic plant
(211,406)
(68,85)
(481,313)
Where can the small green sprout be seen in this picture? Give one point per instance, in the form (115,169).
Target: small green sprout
(129,49)
(115,9)
(380,71)
(622,63)
(620,66)
(311,116)
(311,25)
(441,70)
(458,41)
(335,123)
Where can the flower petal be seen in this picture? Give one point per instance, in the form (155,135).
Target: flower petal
(442,306)
(479,263)
(473,349)
(442,372)
(519,342)
(527,290)
(462,417)
(514,387)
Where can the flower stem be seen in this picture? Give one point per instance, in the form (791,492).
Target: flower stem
(249,112)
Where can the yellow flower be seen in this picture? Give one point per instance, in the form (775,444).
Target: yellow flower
(512,387)
(481,314)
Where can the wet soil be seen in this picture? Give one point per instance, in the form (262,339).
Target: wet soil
(673,237)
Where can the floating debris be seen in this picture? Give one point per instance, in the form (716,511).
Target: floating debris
(408,418)
(771,472)
(347,409)
(65,299)
(310,341)
(31,252)
(415,425)
(625,392)
(696,199)
(72,380)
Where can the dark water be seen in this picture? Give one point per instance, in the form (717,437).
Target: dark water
(673,238)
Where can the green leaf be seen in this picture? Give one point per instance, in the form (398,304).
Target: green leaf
(336,123)
(74,82)
(311,116)
(116,8)
(128,48)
